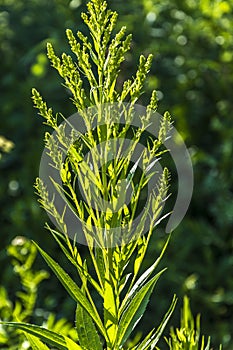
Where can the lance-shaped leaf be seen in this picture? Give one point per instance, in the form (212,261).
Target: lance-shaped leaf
(35,343)
(135,310)
(82,272)
(98,260)
(87,334)
(49,337)
(74,291)
(144,277)
(110,307)
(71,345)
(150,341)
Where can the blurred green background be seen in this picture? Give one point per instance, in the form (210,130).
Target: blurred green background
(192,42)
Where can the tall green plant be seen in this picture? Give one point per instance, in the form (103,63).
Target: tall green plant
(92,80)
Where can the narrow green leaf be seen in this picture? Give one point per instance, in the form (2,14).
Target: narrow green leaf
(44,334)
(71,345)
(74,291)
(142,246)
(80,269)
(153,337)
(35,343)
(110,307)
(100,265)
(208,344)
(135,310)
(124,281)
(87,334)
(142,279)
(63,195)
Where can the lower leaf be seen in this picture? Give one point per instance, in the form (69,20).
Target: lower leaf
(35,343)
(44,334)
